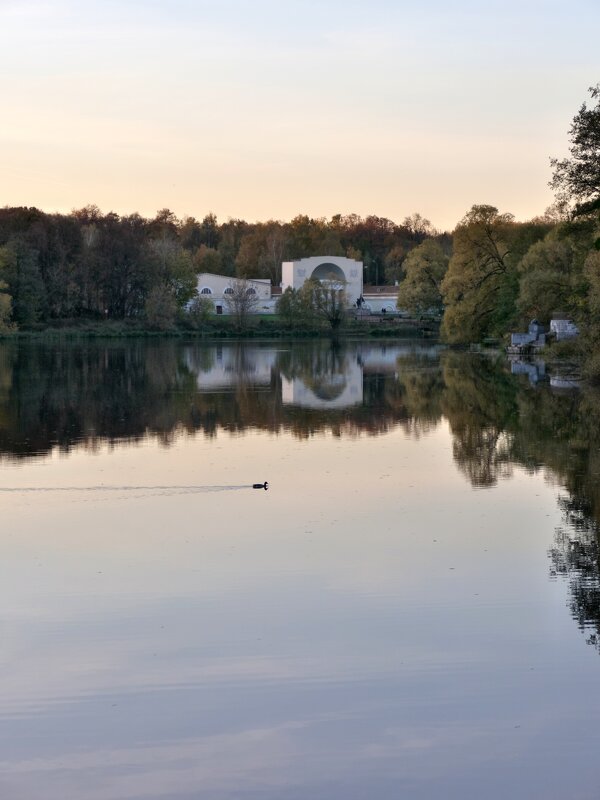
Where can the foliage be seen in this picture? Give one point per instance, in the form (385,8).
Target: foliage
(241,301)
(207,259)
(549,280)
(394,264)
(90,266)
(160,308)
(20,272)
(425,269)
(577,178)
(592,326)
(5,309)
(325,301)
(480,285)
(418,225)
(291,308)
(200,310)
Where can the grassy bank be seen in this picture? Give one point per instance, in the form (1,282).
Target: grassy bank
(221,327)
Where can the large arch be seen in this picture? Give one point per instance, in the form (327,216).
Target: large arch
(329,272)
(338,270)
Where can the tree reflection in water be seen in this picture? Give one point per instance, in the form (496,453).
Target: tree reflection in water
(84,394)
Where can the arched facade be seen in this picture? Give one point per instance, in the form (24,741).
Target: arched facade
(340,270)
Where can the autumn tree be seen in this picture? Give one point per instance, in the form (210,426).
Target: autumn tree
(577,178)
(291,308)
(207,259)
(549,280)
(326,301)
(481,284)
(241,301)
(209,231)
(273,251)
(191,234)
(249,256)
(418,225)
(425,268)
(20,273)
(172,269)
(200,310)
(230,236)
(160,309)
(592,319)
(394,264)
(5,309)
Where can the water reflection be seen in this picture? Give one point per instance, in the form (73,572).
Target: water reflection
(535,370)
(85,394)
(168,631)
(501,415)
(576,558)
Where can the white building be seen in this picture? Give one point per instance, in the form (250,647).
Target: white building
(563,327)
(337,269)
(216,288)
(380,299)
(343,271)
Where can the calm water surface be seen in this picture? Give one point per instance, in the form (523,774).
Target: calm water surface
(411,611)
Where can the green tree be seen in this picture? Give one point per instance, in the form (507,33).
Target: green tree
(418,225)
(273,251)
(480,286)
(291,308)
(207,259)
(173,269)
(210,230)
(425,268)
(190,234)
(200,310)
(549,280)
(249,257)
(577,178)
(19,270)
(394,264)
(592,318)
(5,309)
(325,301)
(160,308)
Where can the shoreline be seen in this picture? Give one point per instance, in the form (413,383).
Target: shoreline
(122,330)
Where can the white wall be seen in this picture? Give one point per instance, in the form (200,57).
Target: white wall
(217,284)
(295,273)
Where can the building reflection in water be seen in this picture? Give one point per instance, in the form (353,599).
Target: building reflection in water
(316,375)
(222,367)
(54,398)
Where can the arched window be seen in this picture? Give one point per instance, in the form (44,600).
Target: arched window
(250,291)
(228,290)
(205,290)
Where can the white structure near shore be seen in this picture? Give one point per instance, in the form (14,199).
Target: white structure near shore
(346,272)
(216,288)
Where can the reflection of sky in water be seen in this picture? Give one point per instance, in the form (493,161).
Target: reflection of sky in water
(372,626)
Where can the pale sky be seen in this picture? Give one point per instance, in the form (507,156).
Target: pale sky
(262,109)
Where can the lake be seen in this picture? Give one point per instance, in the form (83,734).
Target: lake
(411,610)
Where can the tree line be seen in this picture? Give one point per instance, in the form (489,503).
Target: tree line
(489,275)
(502,273)
(92,265)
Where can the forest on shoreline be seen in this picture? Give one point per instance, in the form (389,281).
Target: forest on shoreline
(490,275)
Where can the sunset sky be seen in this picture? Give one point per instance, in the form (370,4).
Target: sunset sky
(269,109)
